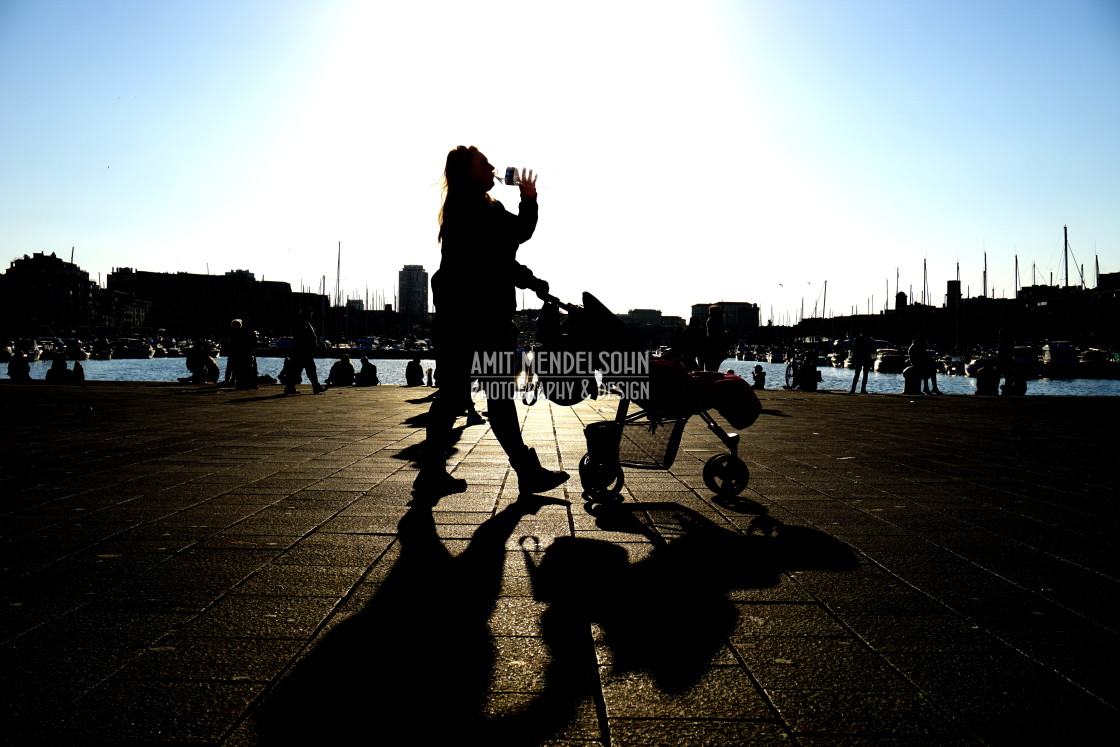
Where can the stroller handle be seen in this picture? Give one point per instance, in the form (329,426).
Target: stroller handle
(549,298)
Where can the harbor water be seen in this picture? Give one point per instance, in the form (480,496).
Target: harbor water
(389,370)
(391,373)
(884,383)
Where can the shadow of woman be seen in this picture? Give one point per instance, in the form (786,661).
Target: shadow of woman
(667,615)
(414,664)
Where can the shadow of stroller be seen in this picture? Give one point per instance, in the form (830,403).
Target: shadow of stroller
(667,615)
(413,665)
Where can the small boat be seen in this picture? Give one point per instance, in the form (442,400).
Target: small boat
(102,351)
(133,349)
(1025,362)
(1059,360)
(51,350)
(952,364)
(838,356)
(1094,363)
(889,360)
(76,350)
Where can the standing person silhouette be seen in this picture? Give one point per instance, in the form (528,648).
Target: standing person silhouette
(716,342)
(303,357)
(862,350)
(923,361)
(475,297)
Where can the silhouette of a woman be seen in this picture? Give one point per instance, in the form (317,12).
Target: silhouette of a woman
(475,298)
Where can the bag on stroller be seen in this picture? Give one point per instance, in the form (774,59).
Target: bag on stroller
(729,395)
(573,347)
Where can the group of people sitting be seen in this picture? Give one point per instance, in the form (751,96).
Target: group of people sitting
(19,369)
(343,373)
(58,372)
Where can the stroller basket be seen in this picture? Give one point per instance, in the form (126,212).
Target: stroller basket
(641,441)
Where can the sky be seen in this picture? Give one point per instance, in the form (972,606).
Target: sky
(810,156)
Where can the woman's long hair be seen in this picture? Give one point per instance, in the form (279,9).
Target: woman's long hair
(457,184)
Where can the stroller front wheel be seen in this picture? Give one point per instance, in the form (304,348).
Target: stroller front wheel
(726,474)
(601,481)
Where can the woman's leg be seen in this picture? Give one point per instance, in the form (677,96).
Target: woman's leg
(531,476)
(454,379)
(502,412)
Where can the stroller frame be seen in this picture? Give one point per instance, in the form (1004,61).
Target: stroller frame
(648,439)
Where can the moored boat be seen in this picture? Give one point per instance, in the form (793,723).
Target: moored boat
(1059,360)
(952,364)
(889,360)
(133,349)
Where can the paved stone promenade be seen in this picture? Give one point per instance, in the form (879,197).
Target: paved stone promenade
(189,564)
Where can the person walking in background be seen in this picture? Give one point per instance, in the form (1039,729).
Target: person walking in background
(303,358)
(862,350)
(475,297)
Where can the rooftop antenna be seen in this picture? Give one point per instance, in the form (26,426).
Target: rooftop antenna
(338,278)
(1017,274)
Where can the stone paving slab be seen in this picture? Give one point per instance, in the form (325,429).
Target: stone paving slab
(198,565)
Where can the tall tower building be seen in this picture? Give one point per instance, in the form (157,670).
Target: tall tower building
(412,296)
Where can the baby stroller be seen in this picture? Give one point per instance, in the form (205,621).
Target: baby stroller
(655,405)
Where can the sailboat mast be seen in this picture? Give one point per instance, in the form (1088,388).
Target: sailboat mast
(1065,253)
(925,283)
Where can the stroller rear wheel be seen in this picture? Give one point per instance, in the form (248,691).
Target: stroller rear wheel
(726,474)
(601,481)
